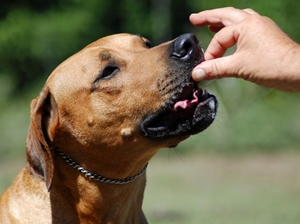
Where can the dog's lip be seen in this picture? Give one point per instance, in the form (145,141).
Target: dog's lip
(192,111)
(200,98)
(190,96)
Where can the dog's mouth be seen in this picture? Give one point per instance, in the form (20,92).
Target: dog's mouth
(190,111)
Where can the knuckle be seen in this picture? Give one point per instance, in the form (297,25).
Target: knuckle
(249,10)
(230,8)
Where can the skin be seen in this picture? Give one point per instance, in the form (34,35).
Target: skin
(264,54)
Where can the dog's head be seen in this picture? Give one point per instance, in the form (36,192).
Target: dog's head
(119,94)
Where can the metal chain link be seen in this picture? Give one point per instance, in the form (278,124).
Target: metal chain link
(95,176)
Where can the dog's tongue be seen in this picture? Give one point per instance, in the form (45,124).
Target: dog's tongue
(188,103)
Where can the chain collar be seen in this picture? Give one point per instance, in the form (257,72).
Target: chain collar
(95,176)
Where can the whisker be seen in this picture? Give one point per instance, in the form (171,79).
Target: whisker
(209,82)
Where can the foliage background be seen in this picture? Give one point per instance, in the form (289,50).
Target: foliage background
(35,36)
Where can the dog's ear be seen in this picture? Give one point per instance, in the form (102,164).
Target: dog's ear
(44,119)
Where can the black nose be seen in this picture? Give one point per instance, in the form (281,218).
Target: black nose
(185,47)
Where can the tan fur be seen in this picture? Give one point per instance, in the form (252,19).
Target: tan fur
(96,125)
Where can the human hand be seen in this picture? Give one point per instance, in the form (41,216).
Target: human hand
(264,55)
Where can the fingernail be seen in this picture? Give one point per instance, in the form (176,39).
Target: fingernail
(199,74)
(193,14)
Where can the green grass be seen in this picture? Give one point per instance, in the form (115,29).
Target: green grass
(253,189)
(9,170)
(210,188)
(237,184)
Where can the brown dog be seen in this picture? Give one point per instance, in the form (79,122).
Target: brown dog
(109,107)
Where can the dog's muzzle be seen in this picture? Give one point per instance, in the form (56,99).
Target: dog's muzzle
(188,109)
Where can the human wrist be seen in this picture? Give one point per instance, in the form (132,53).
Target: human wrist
(290,69)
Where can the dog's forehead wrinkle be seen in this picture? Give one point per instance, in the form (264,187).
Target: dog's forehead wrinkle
(105,55)
(112,57)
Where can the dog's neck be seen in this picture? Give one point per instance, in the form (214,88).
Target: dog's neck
(96,176)
(92,201)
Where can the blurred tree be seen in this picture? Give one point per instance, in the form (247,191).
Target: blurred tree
(37,35)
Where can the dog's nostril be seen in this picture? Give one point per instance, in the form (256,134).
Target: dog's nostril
(184,45)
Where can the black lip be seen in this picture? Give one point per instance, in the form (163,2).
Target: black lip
(167,123)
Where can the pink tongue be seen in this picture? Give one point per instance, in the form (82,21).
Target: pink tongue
(188,103)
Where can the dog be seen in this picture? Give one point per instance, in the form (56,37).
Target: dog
(101,116)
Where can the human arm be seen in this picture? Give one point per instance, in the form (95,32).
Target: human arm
(264,55)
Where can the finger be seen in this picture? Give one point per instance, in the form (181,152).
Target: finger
(217,17)
(250,11)
(214,69)
(224,39)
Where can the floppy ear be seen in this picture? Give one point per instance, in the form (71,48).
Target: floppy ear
(44,119)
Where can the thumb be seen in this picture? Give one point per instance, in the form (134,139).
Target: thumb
(214,69)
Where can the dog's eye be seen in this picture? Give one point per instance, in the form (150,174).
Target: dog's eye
(148,44)
(108,72)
